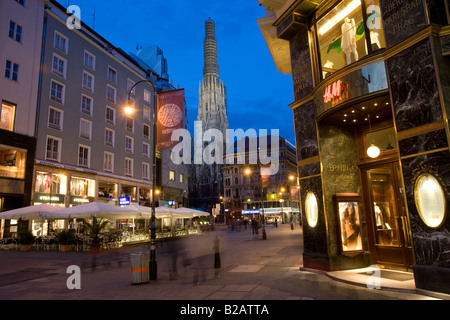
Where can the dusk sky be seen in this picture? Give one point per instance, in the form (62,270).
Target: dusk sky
(258,95)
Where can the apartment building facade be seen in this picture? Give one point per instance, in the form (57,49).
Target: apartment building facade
(88,147)
(21,27)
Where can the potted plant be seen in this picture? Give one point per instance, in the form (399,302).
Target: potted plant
(25,239)
(94,229)
(65,239)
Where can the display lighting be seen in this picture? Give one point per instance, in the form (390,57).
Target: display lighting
(373,151)
(339,16)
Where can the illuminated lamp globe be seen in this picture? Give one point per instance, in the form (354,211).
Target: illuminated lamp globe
(373,151)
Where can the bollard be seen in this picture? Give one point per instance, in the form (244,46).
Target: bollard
(217,264)
(140,267)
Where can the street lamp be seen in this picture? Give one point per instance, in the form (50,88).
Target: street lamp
(129,109)
(248,172)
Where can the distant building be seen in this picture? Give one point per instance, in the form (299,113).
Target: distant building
(20,54)
(244,194)
(171,179)
(206,184)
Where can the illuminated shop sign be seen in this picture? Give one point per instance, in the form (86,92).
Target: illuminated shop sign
(335,92)
(254,211)
(124,201)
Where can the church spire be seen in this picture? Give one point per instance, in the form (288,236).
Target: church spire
(210,49)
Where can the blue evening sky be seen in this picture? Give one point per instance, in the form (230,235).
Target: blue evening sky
(258,95)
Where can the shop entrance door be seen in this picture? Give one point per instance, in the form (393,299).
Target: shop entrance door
(387,224)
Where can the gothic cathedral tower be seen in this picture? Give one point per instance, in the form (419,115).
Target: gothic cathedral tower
(206,185)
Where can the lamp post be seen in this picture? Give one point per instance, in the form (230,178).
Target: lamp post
(248,172)
(129,110)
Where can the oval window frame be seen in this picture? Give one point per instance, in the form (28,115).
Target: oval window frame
(419,206)
(311,219)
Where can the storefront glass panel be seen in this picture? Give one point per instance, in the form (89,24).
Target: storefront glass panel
(50,188)
(384,208)
(82,190)
(12,162)
(341,34)
(129,191)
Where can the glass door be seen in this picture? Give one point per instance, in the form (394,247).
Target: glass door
(388,227)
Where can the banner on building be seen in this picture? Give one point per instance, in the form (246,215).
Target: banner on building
(170,116)
(266,173)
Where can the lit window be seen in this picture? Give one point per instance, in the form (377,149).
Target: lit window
(172,175)
(7,115)
(342,37)
(12,162)
(181,178)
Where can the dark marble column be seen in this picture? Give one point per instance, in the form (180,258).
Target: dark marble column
(423,144)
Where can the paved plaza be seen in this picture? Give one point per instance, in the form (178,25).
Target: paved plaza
(251,269)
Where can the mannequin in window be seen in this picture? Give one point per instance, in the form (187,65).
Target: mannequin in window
(348,40)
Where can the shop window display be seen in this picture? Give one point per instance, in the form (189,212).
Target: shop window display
(82,187)
(12,162)
(50,188)
(342,37)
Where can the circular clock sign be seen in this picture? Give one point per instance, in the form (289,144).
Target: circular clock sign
(170,115)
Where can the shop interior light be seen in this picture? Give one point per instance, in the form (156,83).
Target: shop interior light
(373,151)
(339,16)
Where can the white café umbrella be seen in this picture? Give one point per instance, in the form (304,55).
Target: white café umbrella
(193,212)
(29,213)
(94,209)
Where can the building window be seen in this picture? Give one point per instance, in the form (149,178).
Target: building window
(110,115)
(109,137)
(108,163)
(146,96)
(145,171)
(57,92)
(128,167)
(111,94)
(83,156)
(55,118)
(53,149)
(88,81)
(146,113)
(12,70)
(85,129)
(181,178)
(89,60)
(172,175)
(86,105)
(12,162)
(60,42)
(130,124)
(146,131)
(129,142)
(146,150)
(7,116)
(15,31)
(341,34)
(59,66)
(112,75)
(130,84)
